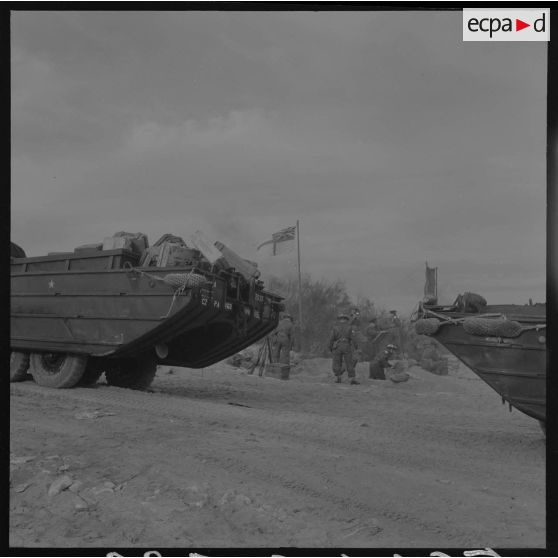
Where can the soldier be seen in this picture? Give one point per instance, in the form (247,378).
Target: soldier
(372,335)
(354,321)
(283,340)
(354,317)
(341,346)
(395,320)
(396,325)
(381,362)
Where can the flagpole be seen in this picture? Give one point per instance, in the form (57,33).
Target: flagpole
(299,276)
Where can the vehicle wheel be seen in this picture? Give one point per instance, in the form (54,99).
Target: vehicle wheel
(132,373)
(57,370)
(19,363)
(91,374)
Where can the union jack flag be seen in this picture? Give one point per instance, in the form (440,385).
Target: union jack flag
(281,237)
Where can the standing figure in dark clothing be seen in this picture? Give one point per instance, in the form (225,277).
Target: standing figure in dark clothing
(354,321)
(283,340)
(381,362)
(396,329)
(354,317)
(341,346)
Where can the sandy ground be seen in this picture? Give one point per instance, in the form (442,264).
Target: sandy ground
(219,458)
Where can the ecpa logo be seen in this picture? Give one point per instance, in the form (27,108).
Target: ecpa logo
(506,25)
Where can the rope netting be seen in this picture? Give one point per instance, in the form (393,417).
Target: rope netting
(494,327)
(484,326)
(427,326)
(178,280)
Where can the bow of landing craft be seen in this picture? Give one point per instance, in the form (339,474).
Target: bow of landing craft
(121,311)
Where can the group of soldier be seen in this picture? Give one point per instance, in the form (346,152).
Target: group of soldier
(344,344)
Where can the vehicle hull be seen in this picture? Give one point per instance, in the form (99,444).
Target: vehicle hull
(514,367)
(126,312)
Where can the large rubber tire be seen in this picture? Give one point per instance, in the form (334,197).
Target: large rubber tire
(57,370)
(131,373)
(19,363)
(91,375)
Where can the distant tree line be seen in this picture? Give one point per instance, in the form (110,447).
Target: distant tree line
(323,300)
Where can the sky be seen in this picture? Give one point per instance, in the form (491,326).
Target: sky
(389,139)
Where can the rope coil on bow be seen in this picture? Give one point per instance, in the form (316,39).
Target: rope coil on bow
(493,325)
(178,281)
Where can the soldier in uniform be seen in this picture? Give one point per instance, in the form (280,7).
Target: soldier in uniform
(381,362)
(395,320)
(354,320)
(372,334)
(396,331)
(341,346)
(283,340)
(354,317)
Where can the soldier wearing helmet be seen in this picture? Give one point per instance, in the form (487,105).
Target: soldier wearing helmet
(282,340)
(354,320)
(379,364)
(341,346)
(354,316)
(396,329)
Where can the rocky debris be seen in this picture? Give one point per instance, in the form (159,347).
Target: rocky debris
(14,460)
(94,414)
(81,505)
(75,486)
(243,359)
(107,487)
(61,483)
(156,494)
(22,487)
(195,496)
(277,513)
(355,527)
(234,498)
(398,372)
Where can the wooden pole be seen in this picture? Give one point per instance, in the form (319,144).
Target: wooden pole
(299,276)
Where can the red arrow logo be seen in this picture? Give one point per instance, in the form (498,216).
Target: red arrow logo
(519,25)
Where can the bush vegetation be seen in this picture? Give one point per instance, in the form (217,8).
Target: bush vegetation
(321,302)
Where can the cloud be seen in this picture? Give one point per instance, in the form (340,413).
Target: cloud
(386,136)
(236,128)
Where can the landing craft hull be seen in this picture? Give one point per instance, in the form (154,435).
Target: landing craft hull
(514,367)
(91,305)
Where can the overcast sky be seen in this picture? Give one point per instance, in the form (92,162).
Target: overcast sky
(391,140)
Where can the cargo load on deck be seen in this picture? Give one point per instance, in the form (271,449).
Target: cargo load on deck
(121,307)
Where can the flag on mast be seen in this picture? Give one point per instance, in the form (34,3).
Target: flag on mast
(430,285)
(281,242)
